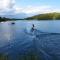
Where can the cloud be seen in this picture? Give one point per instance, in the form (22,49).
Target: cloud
(6,6)
(18,9)
(6,3)
(9,7)
(32,10)
(37,9)
(57,10)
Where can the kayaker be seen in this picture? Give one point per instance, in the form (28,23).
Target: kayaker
(32,29)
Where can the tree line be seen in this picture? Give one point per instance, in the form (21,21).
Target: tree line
(4,19)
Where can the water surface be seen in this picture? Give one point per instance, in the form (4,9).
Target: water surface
(15,39)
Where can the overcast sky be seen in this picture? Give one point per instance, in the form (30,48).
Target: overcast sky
(28,6)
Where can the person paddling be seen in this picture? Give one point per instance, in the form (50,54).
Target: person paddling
(32,29)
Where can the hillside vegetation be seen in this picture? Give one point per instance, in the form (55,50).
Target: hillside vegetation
(4,19)
(8,19)
(46,16)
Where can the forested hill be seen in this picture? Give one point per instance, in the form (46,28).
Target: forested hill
(4,19)
(46,16)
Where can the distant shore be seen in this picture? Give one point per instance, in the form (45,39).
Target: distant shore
(46,16)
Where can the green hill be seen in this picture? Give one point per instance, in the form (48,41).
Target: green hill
(46,16)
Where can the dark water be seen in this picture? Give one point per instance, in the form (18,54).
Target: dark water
(17,40)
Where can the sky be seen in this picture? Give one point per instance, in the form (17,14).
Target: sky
(28,7)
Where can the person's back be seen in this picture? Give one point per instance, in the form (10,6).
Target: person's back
(32,29)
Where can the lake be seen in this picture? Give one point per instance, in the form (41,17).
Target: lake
(17,41)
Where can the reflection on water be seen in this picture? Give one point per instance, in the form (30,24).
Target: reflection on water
(18,41)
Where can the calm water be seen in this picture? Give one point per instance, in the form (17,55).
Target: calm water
(15,41)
